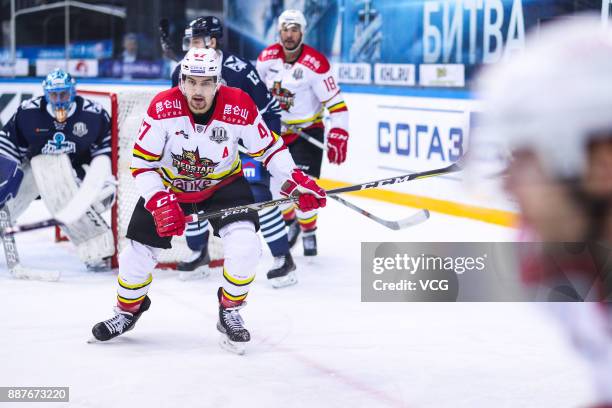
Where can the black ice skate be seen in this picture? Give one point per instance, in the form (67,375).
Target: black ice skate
(122,322)
(282,273)
(234,335)
(196,267)
(293,231)
(309,239)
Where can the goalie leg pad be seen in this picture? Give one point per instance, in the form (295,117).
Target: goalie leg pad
(57,184)
(28,191)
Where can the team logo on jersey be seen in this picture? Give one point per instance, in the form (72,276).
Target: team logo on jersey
(219,135)
(284,96)
(298,74)
(190,164)
(58,145)
(79,129)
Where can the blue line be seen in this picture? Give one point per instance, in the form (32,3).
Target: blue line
(421,109)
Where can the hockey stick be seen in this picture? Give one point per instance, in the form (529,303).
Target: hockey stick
(414,219)
(12,256)
(272,203)
(307,137)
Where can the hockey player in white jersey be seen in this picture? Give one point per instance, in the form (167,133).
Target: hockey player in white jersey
(185,160)
(550,108)
(58,146)
(301,79)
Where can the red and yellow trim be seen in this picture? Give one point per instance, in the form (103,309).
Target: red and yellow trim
(237,282)
(144,154)
(337,107)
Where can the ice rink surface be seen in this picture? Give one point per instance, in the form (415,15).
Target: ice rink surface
(313,345)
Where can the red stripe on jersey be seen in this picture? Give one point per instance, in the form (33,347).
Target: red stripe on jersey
(144,151)
(272,155)
(136,172)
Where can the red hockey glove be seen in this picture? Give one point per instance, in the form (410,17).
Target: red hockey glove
(311,196)
(167,213)
(337,142)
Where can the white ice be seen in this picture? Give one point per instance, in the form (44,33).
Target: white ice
(313,345)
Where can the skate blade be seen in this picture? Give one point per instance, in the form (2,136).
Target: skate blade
(93,340)
(284,281)
(198,273)
(232,346)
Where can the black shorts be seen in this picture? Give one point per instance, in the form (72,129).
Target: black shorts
(307,156)
(142,226)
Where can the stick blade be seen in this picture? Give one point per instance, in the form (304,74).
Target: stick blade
(415,219)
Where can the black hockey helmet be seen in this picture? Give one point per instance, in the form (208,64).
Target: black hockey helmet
(209,26)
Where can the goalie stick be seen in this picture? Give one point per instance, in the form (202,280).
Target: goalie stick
(272,203)
(12,256)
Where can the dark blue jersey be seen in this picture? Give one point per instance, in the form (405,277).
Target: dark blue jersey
(33,130)
(241,74)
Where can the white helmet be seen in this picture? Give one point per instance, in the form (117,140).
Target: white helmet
(292,17)
(202,62)
(553,99)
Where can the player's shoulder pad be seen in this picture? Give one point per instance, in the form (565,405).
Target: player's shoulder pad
(275,51)
(90,106)
(235,106)
(32,103)
(313,60)
(168,104)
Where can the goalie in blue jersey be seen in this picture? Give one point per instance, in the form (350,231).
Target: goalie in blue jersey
(58,147)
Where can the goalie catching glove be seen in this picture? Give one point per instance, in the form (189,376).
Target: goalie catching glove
(311,196)
(167,213)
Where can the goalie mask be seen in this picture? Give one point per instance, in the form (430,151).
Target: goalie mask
(59,88)
(200,78)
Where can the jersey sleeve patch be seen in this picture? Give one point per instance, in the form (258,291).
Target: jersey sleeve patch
(314,60)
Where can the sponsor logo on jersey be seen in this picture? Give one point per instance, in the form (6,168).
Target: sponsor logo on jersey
(79,129)
(191,185)
(174,106)
(219,135)
(58,145)
(298,74)
(182,133)
(59,125)
(190,164)
(285,97)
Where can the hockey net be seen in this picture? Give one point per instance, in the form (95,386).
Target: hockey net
(127,110)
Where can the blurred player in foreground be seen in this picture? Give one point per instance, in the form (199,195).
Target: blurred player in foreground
(550,108)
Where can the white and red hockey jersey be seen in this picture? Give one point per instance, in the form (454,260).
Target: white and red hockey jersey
(303,88)
(174,153)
